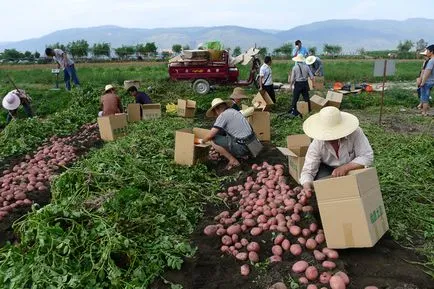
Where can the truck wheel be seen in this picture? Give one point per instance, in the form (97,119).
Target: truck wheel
(201,86)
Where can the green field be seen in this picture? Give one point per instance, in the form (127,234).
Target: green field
(156,204)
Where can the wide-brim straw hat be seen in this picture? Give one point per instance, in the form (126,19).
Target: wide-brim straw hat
(11,101)
(424,53)
(299,58)
(238,93)
(310,60)
(216,102)
(108,87)
(330,124)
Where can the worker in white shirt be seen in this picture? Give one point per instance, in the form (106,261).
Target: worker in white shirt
(339,146)
(266,78)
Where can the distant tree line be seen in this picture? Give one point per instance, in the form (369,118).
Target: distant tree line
(82,49)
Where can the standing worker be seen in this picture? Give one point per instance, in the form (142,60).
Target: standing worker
(237,96)
(315,65)
(110,103)
(299,80)
(339,146)
(266,79)
(12,101)
(66,64)
(141,97)
(299,49)
(427,81)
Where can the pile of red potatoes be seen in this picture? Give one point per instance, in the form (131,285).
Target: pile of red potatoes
(265,202)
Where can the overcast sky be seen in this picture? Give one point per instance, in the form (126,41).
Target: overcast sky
(23,19)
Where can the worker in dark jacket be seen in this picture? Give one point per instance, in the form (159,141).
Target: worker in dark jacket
(238,94)
(140,96)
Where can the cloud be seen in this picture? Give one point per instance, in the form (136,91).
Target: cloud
(362,9)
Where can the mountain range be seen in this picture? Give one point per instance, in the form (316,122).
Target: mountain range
(351,34)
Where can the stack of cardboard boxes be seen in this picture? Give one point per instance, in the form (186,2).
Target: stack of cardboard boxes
(296,149)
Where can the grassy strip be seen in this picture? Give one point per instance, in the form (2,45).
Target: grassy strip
(124,242)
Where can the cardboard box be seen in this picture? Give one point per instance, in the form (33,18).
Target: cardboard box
(151,111)
(186,108)
(262,100)
(296,149)
(319,83)
(317,103)
(133,112)
(186,151)
(113,126)
(334,99)
(260,122)
(352,209)
(303,108)
(129,83)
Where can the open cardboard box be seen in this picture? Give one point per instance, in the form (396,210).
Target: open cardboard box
(296,149)
(317,103)
(186,108)
(334,99)
(151,111)
(113,126)
(352,209)
(186,151)
(262,100)
(260,122)
(133,112)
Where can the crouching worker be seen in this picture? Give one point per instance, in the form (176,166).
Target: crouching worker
(110,103)
(141,97)
(12,101)
(339,146)
(239,140)
(237,96)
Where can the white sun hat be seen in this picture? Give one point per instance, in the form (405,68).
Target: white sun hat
(424,53)
(11,101)
(330,124)
(108,87)
(216,102)
(299,58)
(310,60)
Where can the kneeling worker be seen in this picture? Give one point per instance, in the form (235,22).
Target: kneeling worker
(339,146)
(110,103)
(141,97)
(237,96)
(238,132)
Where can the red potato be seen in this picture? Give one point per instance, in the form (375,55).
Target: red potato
(305,232)
(318,255)
(295,249)
(277,250)
(371,287)
(307,209)
(233,229)
(234,252)
(311,273)
(332,254)
(313,227)
(303,280)
(299,266)
(262,219)
(224,249)
(301,241)
(295,230)
(220,232)
(278,285)
(320,238)
(295,217)
(253,246)
(209,230)
(256,231)
(311,286)
(241,256)
(245,270)
(324,278)
(311,244)
(279,239)
(343,276)
(329,264)
(234,238)
(286,245)
(253,256)
(336,282)
(244,242)
(274,259)
(226,240)
(244,228)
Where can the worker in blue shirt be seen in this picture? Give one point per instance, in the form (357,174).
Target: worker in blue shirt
(298,49)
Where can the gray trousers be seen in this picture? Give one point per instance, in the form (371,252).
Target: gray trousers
(324,171)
